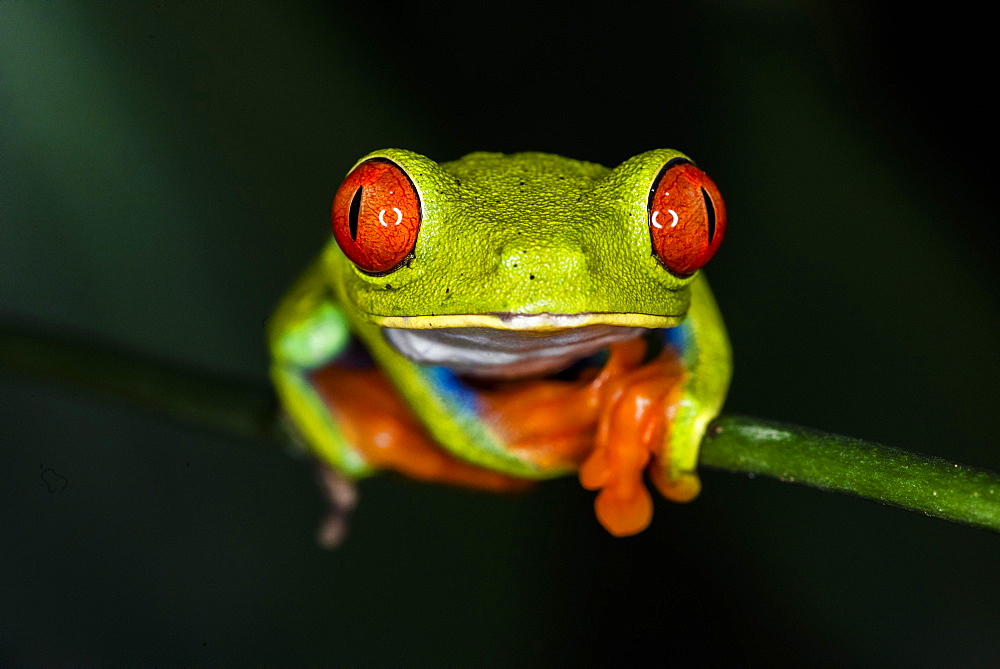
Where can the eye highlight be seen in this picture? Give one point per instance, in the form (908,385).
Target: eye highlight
(687,217)
(376,216)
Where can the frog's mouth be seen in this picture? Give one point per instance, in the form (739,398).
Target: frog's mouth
(542,322)
(507,346)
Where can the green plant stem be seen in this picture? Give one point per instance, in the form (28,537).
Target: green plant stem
(736,443)
(212,401)
(832,462)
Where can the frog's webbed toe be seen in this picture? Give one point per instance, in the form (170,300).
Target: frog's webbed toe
(341,494)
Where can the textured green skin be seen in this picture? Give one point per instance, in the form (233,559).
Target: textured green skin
(578,228)
(527,233)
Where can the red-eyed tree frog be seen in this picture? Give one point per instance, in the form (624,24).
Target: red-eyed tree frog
(506,318)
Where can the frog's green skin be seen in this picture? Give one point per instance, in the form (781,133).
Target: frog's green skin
(562,241)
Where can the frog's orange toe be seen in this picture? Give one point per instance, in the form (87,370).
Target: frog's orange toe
(594,473)
(624,512)
(684,488)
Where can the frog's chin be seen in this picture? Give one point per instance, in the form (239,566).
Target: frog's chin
(527,345)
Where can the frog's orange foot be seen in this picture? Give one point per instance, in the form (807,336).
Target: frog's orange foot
(631,431)
(616,465)
(623,505)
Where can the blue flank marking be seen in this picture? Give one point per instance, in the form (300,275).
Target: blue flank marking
(452,389)
(677,337)
(682,339)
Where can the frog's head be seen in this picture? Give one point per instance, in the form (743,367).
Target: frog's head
(528,243)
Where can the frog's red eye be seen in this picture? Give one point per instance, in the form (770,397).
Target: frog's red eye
(687,217)
(376,216)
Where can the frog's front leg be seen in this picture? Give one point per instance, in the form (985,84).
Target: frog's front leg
(637,400)
(707,360)
(610,422)
(653,415)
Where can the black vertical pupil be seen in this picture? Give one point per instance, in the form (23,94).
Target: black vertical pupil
(710,208)
(352,216)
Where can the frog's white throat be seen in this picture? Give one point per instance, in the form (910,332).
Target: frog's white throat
(496,353)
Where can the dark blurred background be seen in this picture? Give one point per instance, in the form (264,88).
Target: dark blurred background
(166,170)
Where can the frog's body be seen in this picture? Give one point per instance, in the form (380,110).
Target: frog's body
(474,286)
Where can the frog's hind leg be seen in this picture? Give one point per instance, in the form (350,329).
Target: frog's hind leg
(346,413)
(385,433)
(374,427)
